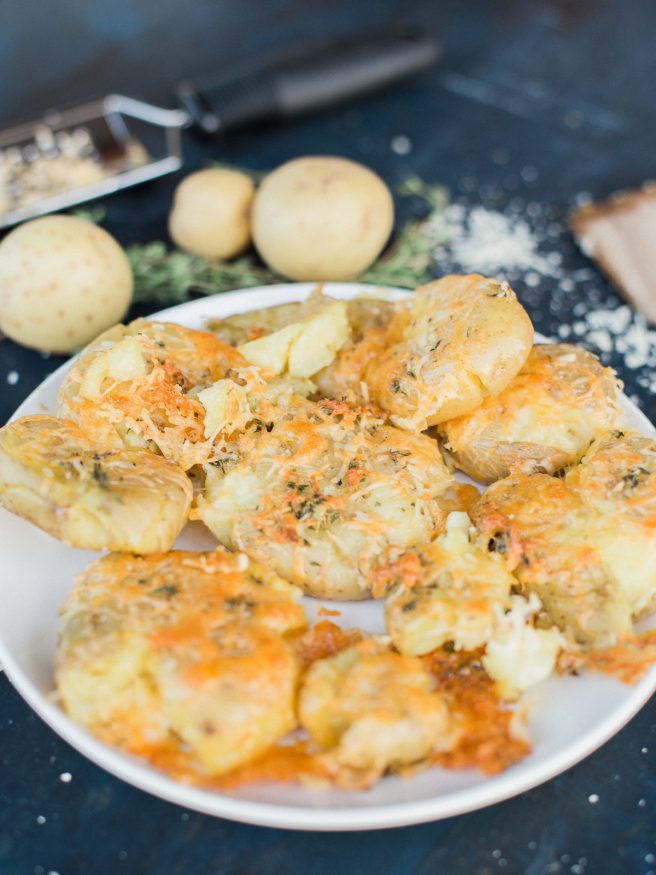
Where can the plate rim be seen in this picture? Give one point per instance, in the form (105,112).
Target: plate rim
(140,774)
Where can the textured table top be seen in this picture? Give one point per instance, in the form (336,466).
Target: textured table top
(534,105)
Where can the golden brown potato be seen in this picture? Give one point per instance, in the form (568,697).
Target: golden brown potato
(373,709)
(181,650)
(319,490)
(465,339)
(135,384)
(544,532)
(545,419)
(616,481)
(52,475)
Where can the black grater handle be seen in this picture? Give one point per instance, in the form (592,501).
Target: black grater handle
(310,83)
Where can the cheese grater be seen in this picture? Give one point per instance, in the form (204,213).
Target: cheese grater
(69,157)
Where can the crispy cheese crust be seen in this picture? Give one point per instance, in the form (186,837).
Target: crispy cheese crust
(545,419)
(181,649)
(135,385)
(465,339)
(320,490)
(51,474)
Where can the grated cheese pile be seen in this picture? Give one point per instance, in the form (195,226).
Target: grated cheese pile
(488,241)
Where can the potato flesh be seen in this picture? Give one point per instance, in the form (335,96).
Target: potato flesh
(518,655)
(302,348)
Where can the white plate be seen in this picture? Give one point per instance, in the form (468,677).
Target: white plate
(570,717)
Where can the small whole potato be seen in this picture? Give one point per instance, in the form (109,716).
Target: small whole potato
(211,213)
(321,218)
(63,280)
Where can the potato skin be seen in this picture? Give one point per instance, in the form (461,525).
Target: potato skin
(178,650)
(545,419)
(63,280)
(129,500)
(466,337)
(321,218)
(211,213)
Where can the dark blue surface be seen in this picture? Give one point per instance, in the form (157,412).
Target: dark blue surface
(566,88)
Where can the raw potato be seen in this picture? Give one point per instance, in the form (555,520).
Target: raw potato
(321,218)
(63,280)
(211,213)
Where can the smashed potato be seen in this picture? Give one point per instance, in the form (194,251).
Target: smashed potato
(466,337)
(374,709)
(52,475)
(453,592)
(181,649)
(543,531)
(134,386)
(449,590)
(319,490)
(616,481)
(545,419)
